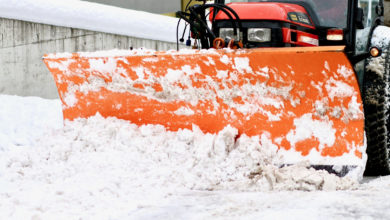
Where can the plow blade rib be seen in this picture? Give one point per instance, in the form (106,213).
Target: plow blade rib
(305,100)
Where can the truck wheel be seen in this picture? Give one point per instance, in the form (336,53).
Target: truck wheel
(376,99)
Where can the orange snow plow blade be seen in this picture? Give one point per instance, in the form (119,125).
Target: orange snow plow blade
(305,100)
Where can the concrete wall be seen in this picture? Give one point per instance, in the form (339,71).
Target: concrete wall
(386,4)
(154,6)
(22,45)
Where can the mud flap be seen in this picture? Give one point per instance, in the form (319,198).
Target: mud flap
(306,101)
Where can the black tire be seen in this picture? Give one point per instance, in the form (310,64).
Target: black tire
(376,99)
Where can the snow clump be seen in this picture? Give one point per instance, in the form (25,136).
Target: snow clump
(116,155)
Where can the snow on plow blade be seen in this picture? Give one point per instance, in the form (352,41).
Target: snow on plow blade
(306,101)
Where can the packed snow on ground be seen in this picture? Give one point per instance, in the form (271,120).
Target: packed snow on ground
(111,169)
(93,16)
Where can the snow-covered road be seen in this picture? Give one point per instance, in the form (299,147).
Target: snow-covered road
(110,169)
(370,201)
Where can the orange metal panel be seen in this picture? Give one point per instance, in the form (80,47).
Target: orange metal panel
(303,99)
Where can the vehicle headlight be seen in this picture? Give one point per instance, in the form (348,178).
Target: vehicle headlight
(228,33)
(259,34)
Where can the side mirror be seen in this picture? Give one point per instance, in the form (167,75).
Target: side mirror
(379,10)
(359,18)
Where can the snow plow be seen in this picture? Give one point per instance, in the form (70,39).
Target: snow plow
(280,69)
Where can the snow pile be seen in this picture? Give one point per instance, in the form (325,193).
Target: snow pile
(110,169)
(93,16)
(116,153)
(21,125)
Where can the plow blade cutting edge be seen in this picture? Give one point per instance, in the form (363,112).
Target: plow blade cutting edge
(305,100)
